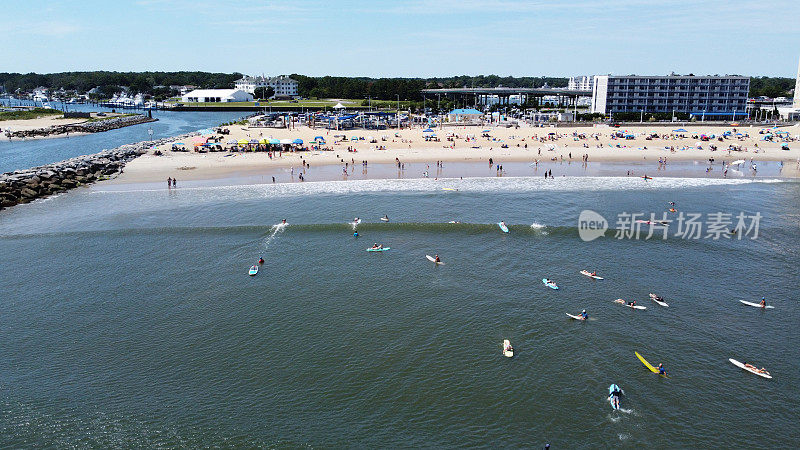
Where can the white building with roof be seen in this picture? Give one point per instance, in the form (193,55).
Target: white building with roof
(282,85)
(583,83)
(216,96)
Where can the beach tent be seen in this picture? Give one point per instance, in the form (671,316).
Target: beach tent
(319,139)
(234,142)
(179,143)
(488,131)
(427,130)
(679,130)
(297,141)
(242,142)
(274,142)
(199,140)
(253,141)
(286,141)
(339,106)
(264,141)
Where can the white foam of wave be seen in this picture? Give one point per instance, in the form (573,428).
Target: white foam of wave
(469,185)
(539,228)
(277,228)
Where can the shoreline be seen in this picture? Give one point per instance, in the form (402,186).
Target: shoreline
(457,145)
(449,172)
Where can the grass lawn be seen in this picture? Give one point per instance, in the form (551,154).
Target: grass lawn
(27,115)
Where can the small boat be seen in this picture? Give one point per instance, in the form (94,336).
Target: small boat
(379,249)
(253,270)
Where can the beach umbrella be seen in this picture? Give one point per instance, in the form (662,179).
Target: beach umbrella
(427,130)
(253,141)
(264,141)
(297,141)
(234,142)
(242,142)
(179,143)
(319,138)
(680,130)
(286,141)
(274,142)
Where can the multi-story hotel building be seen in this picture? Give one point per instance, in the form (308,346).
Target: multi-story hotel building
(709,96)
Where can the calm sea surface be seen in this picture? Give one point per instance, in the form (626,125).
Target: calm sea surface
(127,317)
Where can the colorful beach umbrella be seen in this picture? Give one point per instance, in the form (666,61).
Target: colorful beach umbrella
(297,141)
(274,142)
(286,141)
(242,142)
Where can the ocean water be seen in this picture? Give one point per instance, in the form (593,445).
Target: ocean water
(127,317)
(18,154)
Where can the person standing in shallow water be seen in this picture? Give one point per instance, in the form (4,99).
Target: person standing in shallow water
(174,182)
(169,182)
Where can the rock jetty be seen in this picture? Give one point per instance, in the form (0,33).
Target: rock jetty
(23,186)
(83,127)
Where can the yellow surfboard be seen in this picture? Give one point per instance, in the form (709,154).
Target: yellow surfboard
(646,364)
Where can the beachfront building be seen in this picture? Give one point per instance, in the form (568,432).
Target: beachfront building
(709,97)
(282,85)
(465,115)
(217,96)
(582,83)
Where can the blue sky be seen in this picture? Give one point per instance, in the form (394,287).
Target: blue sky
(404,38)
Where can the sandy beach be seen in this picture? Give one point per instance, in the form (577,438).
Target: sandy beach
(468,144)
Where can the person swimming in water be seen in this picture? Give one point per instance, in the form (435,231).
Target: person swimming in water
(584,316)
(661,369)
(261,260)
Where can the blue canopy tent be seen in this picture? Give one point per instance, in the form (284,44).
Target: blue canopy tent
(427,130)
(680,130)
(298,141)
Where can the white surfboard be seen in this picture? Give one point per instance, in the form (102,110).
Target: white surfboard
(432,259)
(757,305)
(589,274)
(503,227)
(624,303)
(660,302)
(575,317)
(742,366)
(507,353)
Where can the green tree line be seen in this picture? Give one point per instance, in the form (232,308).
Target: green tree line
(319,87)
